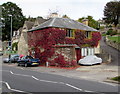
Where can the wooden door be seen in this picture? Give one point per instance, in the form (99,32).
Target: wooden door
(78,54)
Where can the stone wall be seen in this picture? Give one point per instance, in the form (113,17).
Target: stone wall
(67,51)
(22,44)
(113,44)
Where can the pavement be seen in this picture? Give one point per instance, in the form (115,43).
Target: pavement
(100,73)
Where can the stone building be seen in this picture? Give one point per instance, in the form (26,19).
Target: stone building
(70,52)
(23,42)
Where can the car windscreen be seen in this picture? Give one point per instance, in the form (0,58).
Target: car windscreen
(29,57)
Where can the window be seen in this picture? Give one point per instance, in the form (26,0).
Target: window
(18,32)
(69,33)
(87,34)
(87,51)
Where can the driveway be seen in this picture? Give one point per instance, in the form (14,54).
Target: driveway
(112,51)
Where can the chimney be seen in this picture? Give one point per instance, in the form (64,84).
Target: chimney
(85,21)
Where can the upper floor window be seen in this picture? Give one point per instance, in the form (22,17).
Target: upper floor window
(69,33)
(88,34)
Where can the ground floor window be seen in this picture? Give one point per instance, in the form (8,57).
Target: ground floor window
(87,51)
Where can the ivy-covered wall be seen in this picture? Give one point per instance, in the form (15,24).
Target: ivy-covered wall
(42,42)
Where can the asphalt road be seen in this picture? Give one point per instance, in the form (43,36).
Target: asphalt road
(18,79)
(112,51)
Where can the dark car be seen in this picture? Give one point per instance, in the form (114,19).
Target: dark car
(11,59)
(28,61)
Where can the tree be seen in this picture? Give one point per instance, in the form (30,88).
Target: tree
(112,12)
(81,19)
(18,19)
(65,16)
(91,22)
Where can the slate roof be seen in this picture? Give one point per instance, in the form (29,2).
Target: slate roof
(20,30)
(29,24)
(41,20)
(63,23)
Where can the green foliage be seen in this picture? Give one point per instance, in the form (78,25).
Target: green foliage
(65,16)
(109,32)
(91,22)
(80,19)
(18,19)
(103,34)
(116,78)
(114,38)
(102,27)
(15,46)
(112,12)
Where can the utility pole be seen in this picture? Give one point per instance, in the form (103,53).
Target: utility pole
(11,33)
(10,37)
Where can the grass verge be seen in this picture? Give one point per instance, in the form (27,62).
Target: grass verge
(114,38)
(116,78)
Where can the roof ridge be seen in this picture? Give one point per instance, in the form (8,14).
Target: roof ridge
(53,20)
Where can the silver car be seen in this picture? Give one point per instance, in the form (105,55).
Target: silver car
(90,60)
(11,59)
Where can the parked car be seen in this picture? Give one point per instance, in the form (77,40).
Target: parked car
(28,61)
(11,59)
(90,60)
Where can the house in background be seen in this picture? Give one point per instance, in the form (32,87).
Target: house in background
(15,38)
(23,41)
(85,21)
(53,15)
(70,49)
(39,21)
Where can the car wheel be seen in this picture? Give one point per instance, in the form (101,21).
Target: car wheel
(26,65)
(9,62)
(18,64)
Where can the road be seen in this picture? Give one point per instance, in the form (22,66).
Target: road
(18,79)
(112,51)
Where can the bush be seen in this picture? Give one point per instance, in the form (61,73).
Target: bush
(116,78)
(109,32)
(15,46)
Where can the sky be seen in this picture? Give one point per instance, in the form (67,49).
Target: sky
(74,9)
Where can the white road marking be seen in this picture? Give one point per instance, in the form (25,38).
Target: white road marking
(50,81)
(46,80)
(35,78)
(74,87)
(88,91)
(61,83)
(21,75)
(8,86)
(11,72)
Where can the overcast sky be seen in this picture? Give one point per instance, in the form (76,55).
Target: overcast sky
(73,8)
